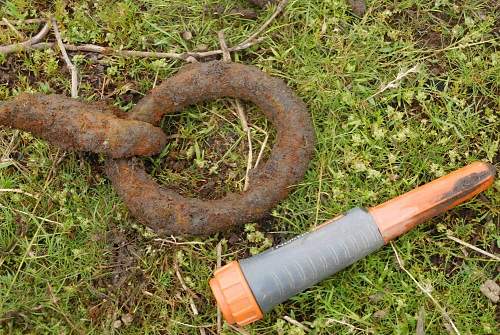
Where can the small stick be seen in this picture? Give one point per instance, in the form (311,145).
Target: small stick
(174,241)
(17,190)
(110,51)
(249,161)
(441,309)
(27,21)
(244,125)
(30,214)
(104,84)
(34,43)
(133,53)
(194,309)
(281,6)
(219,255)
(7,49)
(263,146)
(218,265)
(296,323)
(185,288)
(261,152)
(69,64)
(420,322)
(192,326)
(318,197)
(11,27)
(11,146)
(397,81)
(241,115)
(332,320)
(473,247)
(151,295)
(226,56)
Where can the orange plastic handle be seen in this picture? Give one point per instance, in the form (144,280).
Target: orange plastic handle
(397,216)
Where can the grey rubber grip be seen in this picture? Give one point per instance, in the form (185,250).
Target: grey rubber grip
(289,268)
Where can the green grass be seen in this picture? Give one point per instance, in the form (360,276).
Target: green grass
(92,263)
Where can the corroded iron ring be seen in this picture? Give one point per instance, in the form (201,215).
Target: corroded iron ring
(167,212)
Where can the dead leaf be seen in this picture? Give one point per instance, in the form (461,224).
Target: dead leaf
(117,324)
(491,290)
(380,314)
(376,297)
(127,319)
(358,7)
(187,35)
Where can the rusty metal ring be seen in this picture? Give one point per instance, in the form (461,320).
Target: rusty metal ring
(167,212)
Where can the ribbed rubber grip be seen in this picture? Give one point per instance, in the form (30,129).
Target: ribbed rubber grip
(287,269)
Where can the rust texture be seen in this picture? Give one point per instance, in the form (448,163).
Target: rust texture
(167,212)
(74,125)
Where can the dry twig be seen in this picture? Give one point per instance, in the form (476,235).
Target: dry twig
(249,161)
(247,129)
(397,81)
(263,145)
(226,56)
(352,327)
(10,147)
(194,309)
(27,21)
(186,56)
(69,64)
(174,241)
(318,197)
(421,322)
(16,190)
(426,292)
(241,114)
(208,325)
(186,289)
(296,323)
(11,27)
(154,296)
(281,6)
(30,214)
(35,43)
(26,45)
(473,247)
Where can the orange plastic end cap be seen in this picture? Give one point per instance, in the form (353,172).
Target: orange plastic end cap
(234,296)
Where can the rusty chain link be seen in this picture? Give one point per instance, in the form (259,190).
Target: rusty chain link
(97,127)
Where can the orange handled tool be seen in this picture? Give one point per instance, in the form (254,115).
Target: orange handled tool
(247,289)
